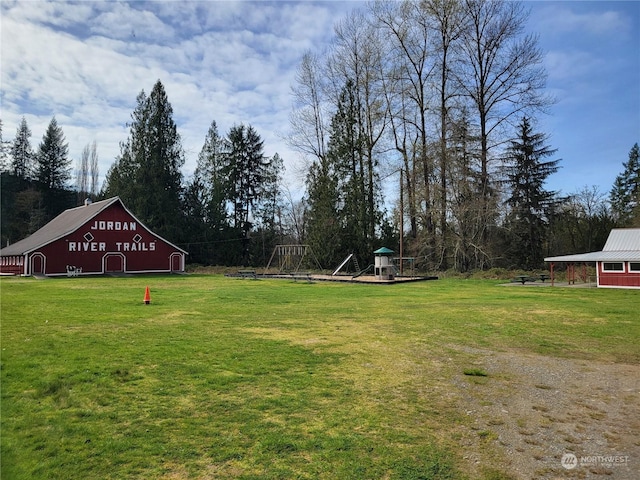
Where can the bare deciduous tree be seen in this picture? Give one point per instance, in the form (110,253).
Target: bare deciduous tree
(410,67)
(94,170)
(356,57)
(502,75)
(82,174)
(87,172)
(308,118)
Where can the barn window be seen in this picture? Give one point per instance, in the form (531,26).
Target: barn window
(634,266)
(612,267)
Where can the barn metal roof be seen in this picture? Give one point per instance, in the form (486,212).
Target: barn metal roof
(64,224)
(623,245)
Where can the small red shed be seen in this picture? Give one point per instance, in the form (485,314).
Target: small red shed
(618,264)
(97,238)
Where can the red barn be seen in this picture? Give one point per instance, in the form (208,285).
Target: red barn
(617,265)
(97,238)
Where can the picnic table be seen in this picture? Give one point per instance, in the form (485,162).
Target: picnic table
(247,273)
(301,276)
(527,278)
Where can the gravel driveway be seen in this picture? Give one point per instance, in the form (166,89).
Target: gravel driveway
(551,418)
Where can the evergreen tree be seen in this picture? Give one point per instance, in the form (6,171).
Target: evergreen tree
(246,169)
(54,171)
(625,194)
(206,202)
(196,228)
(161,172)
(210,173)
(271,199)
(268,211)
(120,179)
(323,228)
(346,153)
(147,173)
(529,202)
(53,168)
(23,157)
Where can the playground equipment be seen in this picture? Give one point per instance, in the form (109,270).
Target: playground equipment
(354,260)
(384,268)
(290,258)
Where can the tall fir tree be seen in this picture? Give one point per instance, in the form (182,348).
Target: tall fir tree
(625,193)
(246,169)
(54,172)
(210,173)
(346,150)
(271,199)
(526,172)
(147,174)
(53,169)
(268,211)
(323,227)
(120,178)
(206,202)
(22,155)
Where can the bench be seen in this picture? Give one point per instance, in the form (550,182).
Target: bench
(247,274)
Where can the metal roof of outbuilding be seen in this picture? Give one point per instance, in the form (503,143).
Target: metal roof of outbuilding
(623,239)
(623,245)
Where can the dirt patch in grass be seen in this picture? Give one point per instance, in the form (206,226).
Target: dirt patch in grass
(534,409)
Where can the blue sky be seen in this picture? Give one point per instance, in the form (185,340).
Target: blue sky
(234,62)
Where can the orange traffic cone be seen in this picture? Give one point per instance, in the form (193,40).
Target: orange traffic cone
(147,296)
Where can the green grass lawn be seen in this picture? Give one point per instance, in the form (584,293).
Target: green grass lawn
(229,378)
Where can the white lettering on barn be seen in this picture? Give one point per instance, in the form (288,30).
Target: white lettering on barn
(109,225)
(120,247)
(135,247)
(87,247)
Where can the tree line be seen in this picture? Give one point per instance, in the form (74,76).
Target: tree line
(441,94)
(444,94)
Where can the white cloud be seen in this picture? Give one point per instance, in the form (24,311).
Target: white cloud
(234,62)
(130,24)
(57,14)
(567,64)
(559,19)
